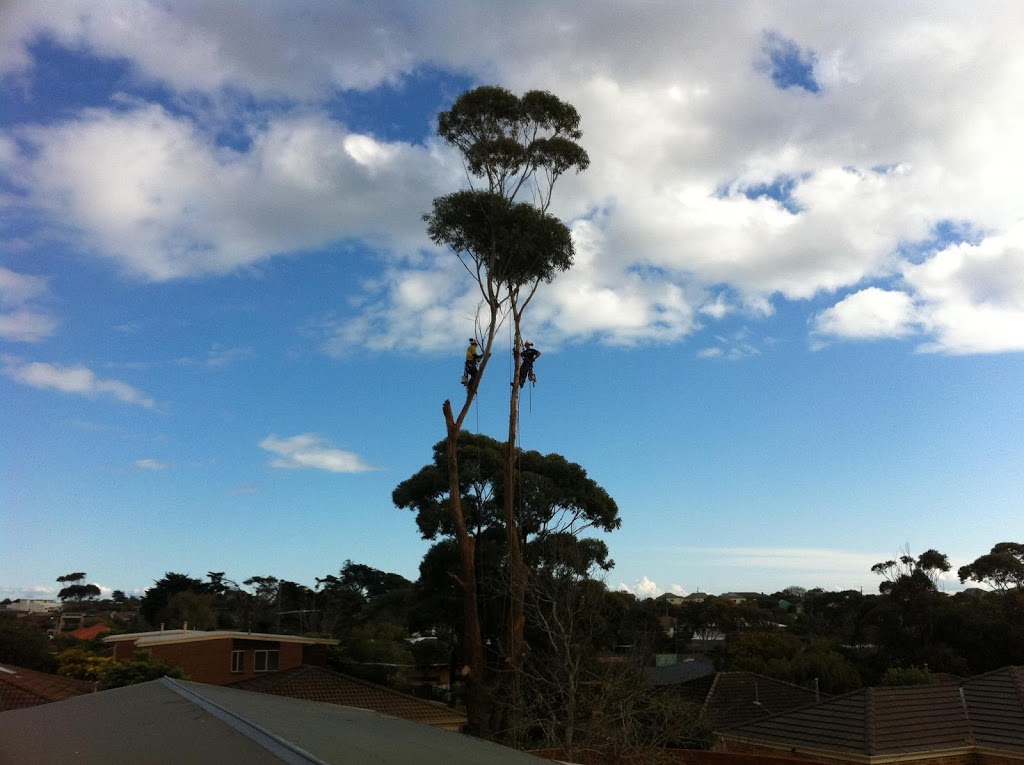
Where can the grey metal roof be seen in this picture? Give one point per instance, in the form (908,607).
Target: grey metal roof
(168,722)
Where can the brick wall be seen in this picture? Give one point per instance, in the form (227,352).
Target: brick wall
(209,661)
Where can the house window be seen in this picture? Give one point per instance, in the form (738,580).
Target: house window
(238,661)
(265,661)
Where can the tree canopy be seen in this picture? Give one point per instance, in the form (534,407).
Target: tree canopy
(1001,568)
(557,499)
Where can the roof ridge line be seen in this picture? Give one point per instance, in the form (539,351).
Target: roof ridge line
(282,749)
(869,720)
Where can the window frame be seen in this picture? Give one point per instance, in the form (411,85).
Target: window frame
(237,662)
(265,655)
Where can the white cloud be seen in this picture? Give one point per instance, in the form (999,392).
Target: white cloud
(686,131)
(647,588)
(179,206)
(969,297)
(77,379)
(310,450)
(20,320)
(150,464)
(26,326)
(31,592)
(869,314)
(973,295)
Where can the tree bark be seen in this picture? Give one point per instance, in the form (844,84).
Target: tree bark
(472,640)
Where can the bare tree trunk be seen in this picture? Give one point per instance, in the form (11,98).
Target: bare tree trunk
(478,704)
(517,568)
(472,639)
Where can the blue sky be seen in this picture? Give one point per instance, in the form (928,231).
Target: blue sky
(790,345)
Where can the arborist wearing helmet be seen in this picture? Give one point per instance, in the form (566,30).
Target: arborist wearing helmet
(529,355)
(473,356)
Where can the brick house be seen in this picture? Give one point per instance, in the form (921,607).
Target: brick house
(220,657)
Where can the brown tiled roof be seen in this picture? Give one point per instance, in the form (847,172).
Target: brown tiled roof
(987,711)
(734,698)
(996,705)
(20,688)
(318,684)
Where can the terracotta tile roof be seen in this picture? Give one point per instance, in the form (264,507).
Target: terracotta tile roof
(987,711)
(318,684)
(734,698)
(88,633)
(20,688)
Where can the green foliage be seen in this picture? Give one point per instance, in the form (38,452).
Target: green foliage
(24,645)
(514,242)
(557,503)
(359,593)
(556,496)
(909,576)
(792,660)
(377,644)
(140,670)
(156,599)
(74,589)
(1002,567)
(79,592)
(519,147)
(908,676)
(195,609)
(83,664)
(503,137)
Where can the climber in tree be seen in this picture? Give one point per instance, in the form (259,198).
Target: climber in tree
(473,356)
(529,355)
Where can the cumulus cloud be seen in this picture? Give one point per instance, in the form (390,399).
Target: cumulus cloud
(746,147)
(647,588)
(869,314)
(78,379)
(180,206)
(20,319)
(972,295)
(310,450)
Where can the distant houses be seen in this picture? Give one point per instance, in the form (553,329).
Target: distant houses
(32,606)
